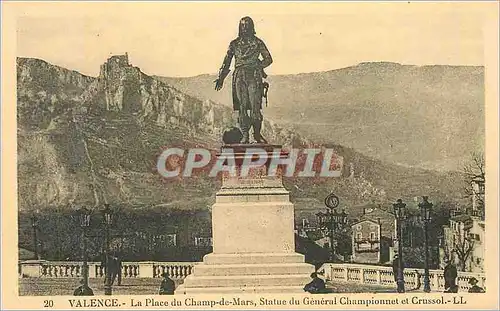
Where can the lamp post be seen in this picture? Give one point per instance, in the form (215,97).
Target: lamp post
(332,220)
(34,225)
(84,217)
(425,209)
(108,220)
(399,212)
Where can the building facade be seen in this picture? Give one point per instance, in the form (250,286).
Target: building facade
(464,242)
(373,236)
(464,237)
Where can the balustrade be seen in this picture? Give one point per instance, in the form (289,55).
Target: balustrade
(364,274)
(175,270)
(337,273)
(74,269)
(380,275)
(370,276)
(61,269)
(353,274)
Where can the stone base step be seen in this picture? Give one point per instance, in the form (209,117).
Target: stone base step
(252,258)
(247,280)
(181,290)
(253,269)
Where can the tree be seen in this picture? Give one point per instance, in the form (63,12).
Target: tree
(462,247)
(474,172)
(344,243)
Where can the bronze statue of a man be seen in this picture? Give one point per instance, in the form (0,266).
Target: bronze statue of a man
(248,86)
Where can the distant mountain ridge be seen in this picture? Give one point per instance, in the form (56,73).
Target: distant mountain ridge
(88,140)
(421,116)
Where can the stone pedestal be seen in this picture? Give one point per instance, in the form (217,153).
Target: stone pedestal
(253,234)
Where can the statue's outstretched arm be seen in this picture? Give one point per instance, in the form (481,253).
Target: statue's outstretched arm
(224,69)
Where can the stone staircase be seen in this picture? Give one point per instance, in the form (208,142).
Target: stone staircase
(248,273)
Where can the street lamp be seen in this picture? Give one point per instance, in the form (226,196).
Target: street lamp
(84,218)
(34,225)
(425,209)
(399,212)
(108,221)
(332,220)
(326,222)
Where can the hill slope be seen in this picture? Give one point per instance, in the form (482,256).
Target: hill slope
(428,116)
(88,140)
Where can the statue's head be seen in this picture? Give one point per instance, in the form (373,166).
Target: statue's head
(246,27)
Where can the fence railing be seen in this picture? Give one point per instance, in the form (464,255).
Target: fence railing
(362,274)
(74,269)
(379,275)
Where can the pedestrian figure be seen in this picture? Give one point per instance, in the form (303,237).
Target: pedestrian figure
(316,286)
(247,86)
(395,267)
(119,269)
(83,290)
(450,276)
(419,282)
(112,268)
(167,286)
(475,288)
(395,271)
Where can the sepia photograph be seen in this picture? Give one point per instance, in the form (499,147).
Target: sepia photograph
(318,150)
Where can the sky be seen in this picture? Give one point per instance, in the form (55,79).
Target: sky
(187,39)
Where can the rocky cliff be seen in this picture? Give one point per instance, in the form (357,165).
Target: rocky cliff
(94,139)
(45,91)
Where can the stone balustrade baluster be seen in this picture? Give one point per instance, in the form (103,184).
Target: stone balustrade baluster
(362,276)
(177,271)
(416,278)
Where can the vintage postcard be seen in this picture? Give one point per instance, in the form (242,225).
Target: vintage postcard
(249,155)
